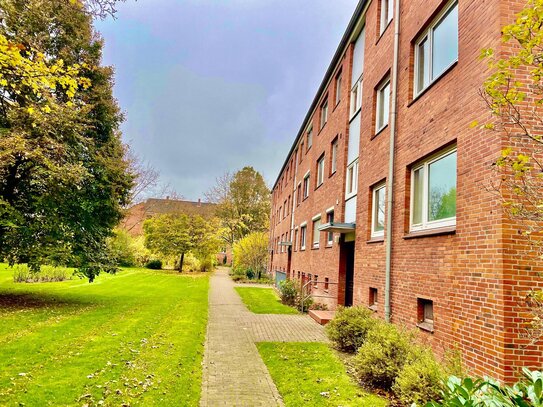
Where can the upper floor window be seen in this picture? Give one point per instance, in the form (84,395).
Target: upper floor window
(352,180)
(306,186)
(433,185)
(387,12)
(316,232)
(320,171)
(333,164)
(301,151)
(378,211)
(383,105)
(303,236)
(356,97)
(324,113)
(330,235)
(299,194)
(338,87)
(437,49)
(309,137)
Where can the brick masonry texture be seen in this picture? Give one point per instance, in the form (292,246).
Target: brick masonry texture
(477,273)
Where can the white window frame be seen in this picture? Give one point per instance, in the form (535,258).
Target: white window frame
(306,186)
(387,14)
(375,208)
(425,225)
(339,79)
(320,170)
(356,98)
(329,235)
(428,36)
(309,138)
(380,105)
(303,235)
(351,190)
(316,237)
(333,165)
(324,113)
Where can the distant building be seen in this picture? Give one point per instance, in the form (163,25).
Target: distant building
(450,263)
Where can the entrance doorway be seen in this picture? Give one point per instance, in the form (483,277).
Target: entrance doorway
(349,273)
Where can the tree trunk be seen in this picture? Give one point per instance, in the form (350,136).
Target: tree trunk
(181,262)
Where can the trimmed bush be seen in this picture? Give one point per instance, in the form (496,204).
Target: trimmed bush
(382,355)
(154,264)
(349,328)
(23,274)
(288,291)
(420,380)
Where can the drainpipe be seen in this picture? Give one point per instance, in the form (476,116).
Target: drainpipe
(390,180)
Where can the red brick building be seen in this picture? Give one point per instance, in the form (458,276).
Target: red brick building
(382,199)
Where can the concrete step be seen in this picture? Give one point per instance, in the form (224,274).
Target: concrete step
(322,317)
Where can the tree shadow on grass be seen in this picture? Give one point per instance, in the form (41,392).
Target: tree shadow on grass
(21,301)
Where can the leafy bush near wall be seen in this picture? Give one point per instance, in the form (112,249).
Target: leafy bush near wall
(154,264)
(383,354)
(288,291)
(349,328)
(23,274)
(527,392)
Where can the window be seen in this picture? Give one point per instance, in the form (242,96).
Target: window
(437,48)
(295,242)
(352,179)
(315,280)
(433,186)
(316,233)
(303,233)
(320,171)
(383,106)
(338,87)
(373,299)
(425,311)
(301,151)
(299,194)
(324,113)
(387,12)
(378,211)
(333,165)
(326,283)
(356,97)
(330,235)
(309,137)
(306,186)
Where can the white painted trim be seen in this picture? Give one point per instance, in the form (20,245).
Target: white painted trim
(330,209)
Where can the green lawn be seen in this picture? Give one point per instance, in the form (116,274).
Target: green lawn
(134,338)
(263,301)
(309,374)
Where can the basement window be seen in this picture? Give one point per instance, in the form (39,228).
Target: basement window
(425,314)
(373,299)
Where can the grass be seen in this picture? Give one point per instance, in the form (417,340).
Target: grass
(135,338)
(310,374)
(263,301)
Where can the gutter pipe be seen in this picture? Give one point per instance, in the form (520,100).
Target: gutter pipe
(390,180)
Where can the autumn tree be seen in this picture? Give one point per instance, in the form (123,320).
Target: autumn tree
(243,203)
(251,253)
(63,173)
(514,95)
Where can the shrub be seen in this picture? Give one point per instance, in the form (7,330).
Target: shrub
(420,380)
(250,254)
(382,355)
(349,328)
(288,291)
(23,274)
(207,264)
(154,264)
(122,248)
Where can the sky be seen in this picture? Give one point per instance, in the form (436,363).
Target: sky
(210,86)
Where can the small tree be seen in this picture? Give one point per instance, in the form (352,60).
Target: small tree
(169,235)
(251,253)
(514,95)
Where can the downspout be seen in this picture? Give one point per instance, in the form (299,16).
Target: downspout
(390,180)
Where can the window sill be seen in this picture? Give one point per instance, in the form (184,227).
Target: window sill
(332,174)
(379,131)
(315,248)
(376,240)
(373,307)
(328,246)
(449,230)
(382,33)
(426,326)
(335,107)
(437,79)
(321,129)
(318,186)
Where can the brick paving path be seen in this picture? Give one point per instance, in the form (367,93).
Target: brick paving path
(233,372)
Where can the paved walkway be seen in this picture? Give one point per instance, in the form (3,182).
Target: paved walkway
(233,372)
